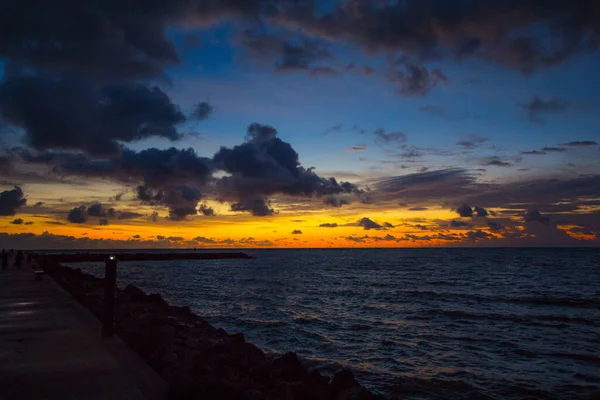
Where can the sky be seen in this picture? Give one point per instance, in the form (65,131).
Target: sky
(299,123)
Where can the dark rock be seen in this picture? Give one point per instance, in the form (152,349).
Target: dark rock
(134,292)
(238,337)
(285,368)
(156,298)
(343,380)
(199,361)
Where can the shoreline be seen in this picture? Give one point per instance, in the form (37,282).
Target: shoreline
(198,360)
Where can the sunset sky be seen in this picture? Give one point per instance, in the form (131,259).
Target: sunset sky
(290,123)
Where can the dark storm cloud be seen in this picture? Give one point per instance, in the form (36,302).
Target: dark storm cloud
(369,224)
(82,214)
(76,72)
(170,177)
(458,224)
(259,207)
(464,211)
(538,106)
(580,143)
(181,199)
(11,201)
(478,235)
(501,31)
(335,202)
(78,215)
(206,210)
(264,165)
(494,226)
(535,216)
(65,114)
(202,111)
(480,211)
(100,40)
(99,210)
(296,232)
(17,221)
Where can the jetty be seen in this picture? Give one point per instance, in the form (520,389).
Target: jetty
(66,334)
(150,256)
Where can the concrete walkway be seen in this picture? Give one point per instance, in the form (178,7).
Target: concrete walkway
(51,348)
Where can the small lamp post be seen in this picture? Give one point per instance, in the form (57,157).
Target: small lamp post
(110,295)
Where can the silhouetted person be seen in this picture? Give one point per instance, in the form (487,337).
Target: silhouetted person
(18,259)
(4,259)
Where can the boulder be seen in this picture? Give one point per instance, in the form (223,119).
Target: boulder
(343,380)
(134,292)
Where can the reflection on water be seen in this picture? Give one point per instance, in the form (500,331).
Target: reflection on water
(499,323)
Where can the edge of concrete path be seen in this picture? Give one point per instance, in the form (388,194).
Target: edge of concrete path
(149,382)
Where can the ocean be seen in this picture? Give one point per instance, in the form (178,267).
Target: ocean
(416,323)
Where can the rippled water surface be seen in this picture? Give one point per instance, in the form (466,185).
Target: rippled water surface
(421,324)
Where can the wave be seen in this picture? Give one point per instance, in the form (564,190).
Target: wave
(523,319)
(542,300)
(260,323)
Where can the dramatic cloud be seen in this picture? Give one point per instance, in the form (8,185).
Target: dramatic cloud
(264,166)
(78,215)
(458,224)
(480,211)
(335,202)
(537,107)
(206,210)
(171,178)
(63,114)
(476,236)
(81,214)
(98,210)
(181,200)
(464,211)
(503,32)
(369,224)
(11,201)
(535,216)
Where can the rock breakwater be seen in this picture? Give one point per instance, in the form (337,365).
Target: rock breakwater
(199,361)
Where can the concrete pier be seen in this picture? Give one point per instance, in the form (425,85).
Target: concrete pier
(52,348)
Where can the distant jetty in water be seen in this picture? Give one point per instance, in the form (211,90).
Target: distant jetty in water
(90,257)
